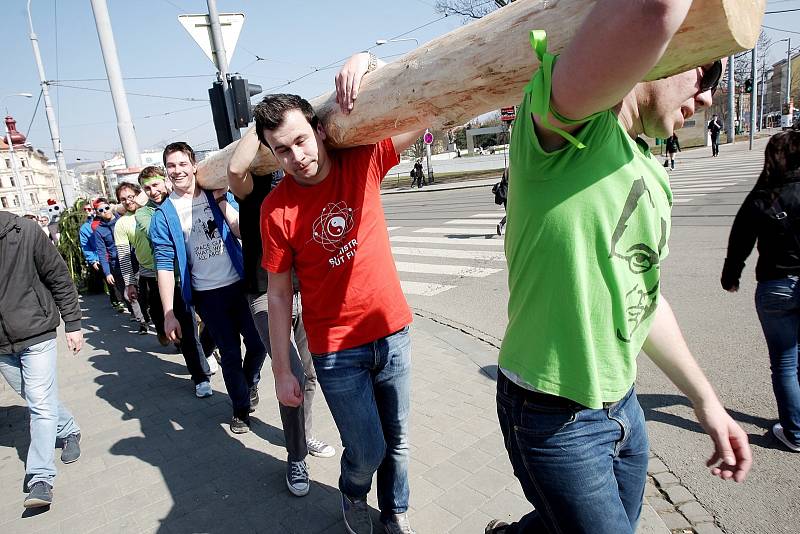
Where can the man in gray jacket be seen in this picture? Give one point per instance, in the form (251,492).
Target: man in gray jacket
(37,292)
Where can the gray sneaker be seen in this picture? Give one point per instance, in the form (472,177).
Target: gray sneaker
(356,515)
(495,526)
(71,449)
(398,524)
(41,495)
(320,449)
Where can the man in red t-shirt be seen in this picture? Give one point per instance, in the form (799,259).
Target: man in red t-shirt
(326,221)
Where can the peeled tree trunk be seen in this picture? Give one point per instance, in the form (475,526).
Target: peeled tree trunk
(486,64)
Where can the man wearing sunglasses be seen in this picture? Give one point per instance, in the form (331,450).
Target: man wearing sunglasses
(109,260)
(588,223)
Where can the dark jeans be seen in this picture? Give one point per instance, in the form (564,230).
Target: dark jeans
(714,145)
(778,307)
(150,301)
(367,389)
(584,470)
(194,353)
(119,287)
(226,315)
(296,421)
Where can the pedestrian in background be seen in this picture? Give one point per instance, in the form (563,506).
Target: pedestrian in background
(37,293)
(770,217)
(673,146)
(500,191)
(419,176)
(715,127)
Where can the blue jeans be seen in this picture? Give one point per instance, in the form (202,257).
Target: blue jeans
(778,307)
(226,313)
(584,470)
(367,389)
(32,373)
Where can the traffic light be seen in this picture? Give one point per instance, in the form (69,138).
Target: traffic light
(748,85)
(242,107)
(219,111)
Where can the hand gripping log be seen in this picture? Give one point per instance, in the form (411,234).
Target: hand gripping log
(485,65)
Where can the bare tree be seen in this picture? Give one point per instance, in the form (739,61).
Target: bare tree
(469,9)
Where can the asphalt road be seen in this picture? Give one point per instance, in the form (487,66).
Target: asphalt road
(462,281)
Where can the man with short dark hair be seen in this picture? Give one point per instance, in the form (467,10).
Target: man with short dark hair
(325,222)
(188,230)
(37,293)
(714,128)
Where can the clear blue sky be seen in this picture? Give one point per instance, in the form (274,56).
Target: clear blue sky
(293,37)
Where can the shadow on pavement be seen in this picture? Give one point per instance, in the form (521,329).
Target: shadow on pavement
(214,482)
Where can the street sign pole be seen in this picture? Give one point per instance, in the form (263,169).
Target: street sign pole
(428,139)
(221,60)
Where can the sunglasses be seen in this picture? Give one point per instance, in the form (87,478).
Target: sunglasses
(101,210)
(88,209)
(711,77)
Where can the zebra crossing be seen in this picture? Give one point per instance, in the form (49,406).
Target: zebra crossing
(696,175)
(432,260)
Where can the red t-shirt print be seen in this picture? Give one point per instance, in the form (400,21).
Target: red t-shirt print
(334,235)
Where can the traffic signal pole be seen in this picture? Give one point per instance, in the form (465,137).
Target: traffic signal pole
(221,60)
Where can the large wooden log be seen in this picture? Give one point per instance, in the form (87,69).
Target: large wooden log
(485,65)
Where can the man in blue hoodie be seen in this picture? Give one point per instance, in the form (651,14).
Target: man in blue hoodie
(109,261)
(88,247)
(189,232)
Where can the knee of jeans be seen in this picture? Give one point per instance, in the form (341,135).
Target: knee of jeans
(43,407)
(369,457)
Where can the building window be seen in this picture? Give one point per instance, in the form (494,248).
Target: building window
(4,200)
(16,201)
(27,180)
(8,163)
(13,183)
(33,199)
(23,162)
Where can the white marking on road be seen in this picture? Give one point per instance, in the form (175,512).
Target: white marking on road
(453,270)
(471,241)
(488,215)
(682,200)
(474,221)
(423,289)
(457,231)
(450,253)
(690,190)
(390,228)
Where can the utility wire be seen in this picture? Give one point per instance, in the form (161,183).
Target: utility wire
(134,78)
(781,11)
(779,29)
(187,98)
(33,116)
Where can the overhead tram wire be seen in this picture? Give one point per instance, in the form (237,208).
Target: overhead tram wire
(183,98)
(33,115)
(779,29)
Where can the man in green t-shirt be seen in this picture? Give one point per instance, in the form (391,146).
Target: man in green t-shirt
(588,223)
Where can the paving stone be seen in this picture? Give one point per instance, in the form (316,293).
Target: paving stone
(708,528)
(679,494)
(695,513)
(655,465)
(432,518)
(661,505)
(446,475)
(666,479)
(674,520)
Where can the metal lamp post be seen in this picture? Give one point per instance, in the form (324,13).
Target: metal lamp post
(23,203)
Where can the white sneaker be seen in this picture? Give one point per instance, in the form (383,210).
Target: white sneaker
(297,479)
(203,389)
(320,449)
(212,364)
(777,431)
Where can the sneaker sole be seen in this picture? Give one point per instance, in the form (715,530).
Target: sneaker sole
(63,461)
(322,454)
(240,430)
(296,492)
(36,503)
(202,396)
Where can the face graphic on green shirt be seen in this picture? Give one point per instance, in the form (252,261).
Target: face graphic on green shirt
(640,258)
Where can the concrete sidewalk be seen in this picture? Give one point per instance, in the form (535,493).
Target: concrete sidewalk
(157,459)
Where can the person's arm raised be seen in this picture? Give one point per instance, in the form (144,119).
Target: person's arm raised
(240,180)
(617,45)
(348,82)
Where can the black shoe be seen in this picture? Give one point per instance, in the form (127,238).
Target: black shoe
(495,526)
(253,398)
(41,495)
(142,329)
(240,425)
(71,449)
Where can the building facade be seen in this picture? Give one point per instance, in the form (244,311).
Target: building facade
(27,180)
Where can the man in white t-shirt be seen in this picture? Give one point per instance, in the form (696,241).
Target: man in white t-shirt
(189,232)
